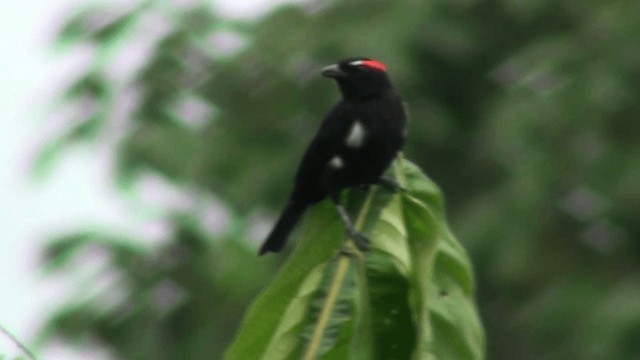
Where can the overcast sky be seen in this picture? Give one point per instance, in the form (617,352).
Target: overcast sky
(75,194)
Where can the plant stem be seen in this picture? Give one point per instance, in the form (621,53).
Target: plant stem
(336,283)
(17,342)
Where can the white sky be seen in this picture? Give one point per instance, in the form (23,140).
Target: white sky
(76,193)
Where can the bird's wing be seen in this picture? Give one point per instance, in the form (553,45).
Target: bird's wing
(326,144)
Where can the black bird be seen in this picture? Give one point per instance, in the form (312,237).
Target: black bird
(356,143)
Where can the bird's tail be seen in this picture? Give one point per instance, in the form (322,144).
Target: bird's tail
(287,221)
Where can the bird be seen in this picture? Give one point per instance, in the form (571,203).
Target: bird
(354,145)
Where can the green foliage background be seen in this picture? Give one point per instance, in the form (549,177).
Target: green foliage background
(524,112)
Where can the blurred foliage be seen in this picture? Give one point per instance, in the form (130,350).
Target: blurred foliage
(525,112)
(180,300)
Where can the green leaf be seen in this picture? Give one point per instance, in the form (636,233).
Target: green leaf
(411,295)
(283,306)
(98,25)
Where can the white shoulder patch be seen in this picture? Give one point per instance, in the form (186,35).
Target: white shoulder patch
(336,162)
(356,136)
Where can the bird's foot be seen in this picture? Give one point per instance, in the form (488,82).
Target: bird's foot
(347,250)
(391,184)
(361,241)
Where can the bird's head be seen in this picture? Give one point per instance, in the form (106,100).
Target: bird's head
(359,77)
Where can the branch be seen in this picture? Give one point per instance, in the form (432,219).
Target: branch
(336,283)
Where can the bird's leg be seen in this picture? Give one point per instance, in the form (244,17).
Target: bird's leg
(360,240)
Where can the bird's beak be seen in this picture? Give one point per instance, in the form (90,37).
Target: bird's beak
(333,71)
